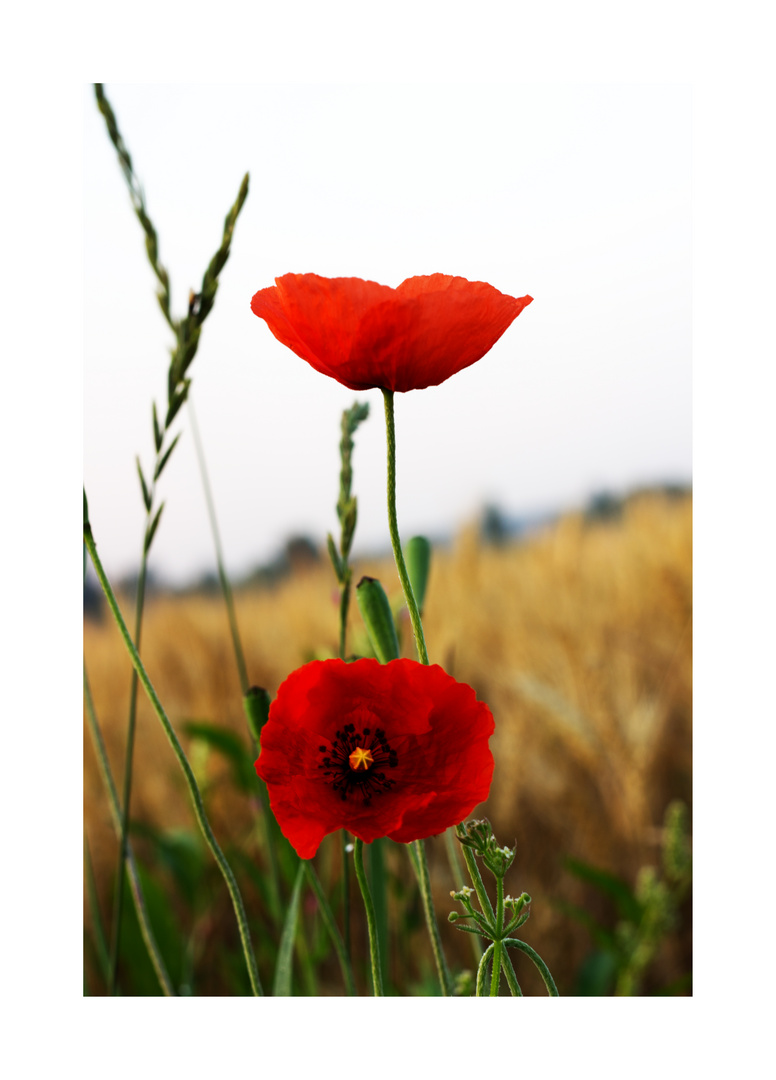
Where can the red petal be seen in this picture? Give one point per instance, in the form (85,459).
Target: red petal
(368,335)
(436,726)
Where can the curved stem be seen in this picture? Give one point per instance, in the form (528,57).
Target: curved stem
(544,971)
(196,797)
(482,970)
(401,566)
(374,944)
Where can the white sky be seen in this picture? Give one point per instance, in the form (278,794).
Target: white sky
(576,194)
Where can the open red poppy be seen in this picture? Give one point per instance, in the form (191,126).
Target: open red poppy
(367,335)
(397,749)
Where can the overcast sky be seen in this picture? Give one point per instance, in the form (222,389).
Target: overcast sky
(578,195)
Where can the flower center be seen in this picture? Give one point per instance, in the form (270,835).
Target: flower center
(354,764)
(361,759)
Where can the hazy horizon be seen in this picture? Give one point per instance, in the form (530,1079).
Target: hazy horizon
(578,195)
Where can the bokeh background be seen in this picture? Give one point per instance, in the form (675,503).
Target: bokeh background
(553,476)
(578,195)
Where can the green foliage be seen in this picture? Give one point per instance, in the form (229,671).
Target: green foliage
(137,976)
(256,705)
(645,915)
(478,842)
(229,746)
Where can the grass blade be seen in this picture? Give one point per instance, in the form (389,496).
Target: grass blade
(281,987)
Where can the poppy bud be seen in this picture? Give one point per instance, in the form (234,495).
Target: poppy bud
(378,619)
(417,553)
(256,705)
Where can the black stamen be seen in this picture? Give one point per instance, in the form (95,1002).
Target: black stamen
(365,782)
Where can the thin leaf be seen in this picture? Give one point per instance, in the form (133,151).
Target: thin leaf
(158,435)
(281,987)
(144,486)
(161,464)
(178,398)
(152,529)
(603,937)
(228,744)
(100,942)
(331,926)
(339,568)
(614,887)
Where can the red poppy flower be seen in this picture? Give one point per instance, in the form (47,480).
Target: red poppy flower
(397,749)
(367,335)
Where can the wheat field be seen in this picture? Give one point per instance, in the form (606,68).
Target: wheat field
(579,638)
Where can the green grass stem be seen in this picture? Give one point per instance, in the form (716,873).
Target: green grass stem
(134,879)
(196,797)
(374,943)
(226,587)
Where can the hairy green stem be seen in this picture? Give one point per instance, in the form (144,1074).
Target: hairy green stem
(496,974)
(196,797)
(453,857)
(134,880)
(544,971)
(393,526)
(374,944)
(482,970)
(344,603)
(420,863)
(487,908)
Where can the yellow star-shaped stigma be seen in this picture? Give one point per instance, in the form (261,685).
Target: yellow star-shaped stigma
(360,759)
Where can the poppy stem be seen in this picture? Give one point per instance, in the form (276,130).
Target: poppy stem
(433,929)
(419,862)
(374,944)
(401,566)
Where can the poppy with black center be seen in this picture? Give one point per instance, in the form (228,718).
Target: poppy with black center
(398,750)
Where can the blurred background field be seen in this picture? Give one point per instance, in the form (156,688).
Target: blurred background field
(579,638)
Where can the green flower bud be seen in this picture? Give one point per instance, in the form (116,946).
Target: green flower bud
(378,619)
(417,555)
(256,706)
